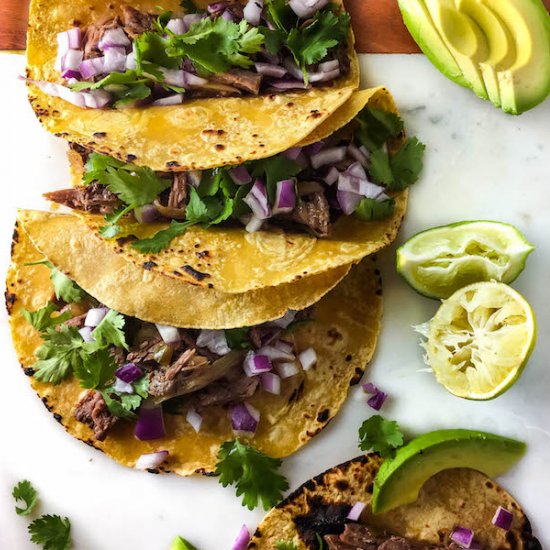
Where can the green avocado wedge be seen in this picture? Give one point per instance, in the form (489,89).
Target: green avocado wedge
(400,479)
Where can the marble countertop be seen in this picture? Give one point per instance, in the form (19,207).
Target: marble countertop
(480,164)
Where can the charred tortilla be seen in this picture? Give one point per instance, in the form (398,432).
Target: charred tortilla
(344,334)
(200,134)
(449,499)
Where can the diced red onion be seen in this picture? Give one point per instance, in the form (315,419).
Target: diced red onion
(293,69)
(348,201)
(254,364)
(228,15)
(268,69)
(131,61)
(257,200)
(95,316)
(240,175)
(216,7)
(192,18)
(115,60)
(271,382)
(214,340)
(92,67)
(462,536)
(503,518)
(244,419)
(289,84)
(356,169)
(177,26)
(173,77)
(175,99)
(285,197)
(363,187)
(306,8)
(331,155)
(307,358)
(254,224)
(356,511)
(113,38)
(194,177)
(123,387)
(328,66)
(358,155)
(193,81)
(272,58)
(151,461)
(147,213)
(242,540)
(170,335)
(293,153)
(70,63)
(332,176)
(96,99)
(129,373)
(285,320)
(378,396)
(284,346)
(150,424)
(69,40)
(286,370)
(324,76)
(314,148)
(194,418)
(86,333)
(276,354)
(364,150)
(253,12)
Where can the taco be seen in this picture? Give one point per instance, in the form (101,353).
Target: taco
(196,86)
(304,211)
(130,387)
(317,513)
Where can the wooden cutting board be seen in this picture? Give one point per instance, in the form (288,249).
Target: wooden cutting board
(377,24)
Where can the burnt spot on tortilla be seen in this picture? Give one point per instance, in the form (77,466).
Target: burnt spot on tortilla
(172,164)
(219,147)
(315,113)
(197,275)
(149,265)
(290,104)
(204,472)
(10,300)
(323,415)
(210,285)
(45,401)
(28,371)
(121,241)
(58,417)
(349,357)
(262,145)
(323,518)
(130,157)
(297,393)
(529,541)
(334,335)
(220,132)
(370,488)
(152,470)
(60,134)
(15,236)
(203,254)
(100,135)
(342,484)
(356,378)
(176,273)
(489,484)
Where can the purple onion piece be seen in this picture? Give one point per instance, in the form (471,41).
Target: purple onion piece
(284,84)
(356,511)
(151,461)
(129,373)
(240,175)
(175,99)
(150,424)
(176,26)
(214,340)
(293,153)
(348,201)
(147,213)
(113,38)
(268,69)
(86,333)
(255,363)
(331,155)
(257,200)
(173,77)
(123,387)
(244,419)
(377,400)
(332,176)
(314,148)
(253,12)
(254,224)
(306,8)
(503,518)
(307,358)
(194,418)
(242,540)
(462,536)
(271,383)
(285,197)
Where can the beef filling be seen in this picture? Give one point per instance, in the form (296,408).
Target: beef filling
(92,410)
(94,198)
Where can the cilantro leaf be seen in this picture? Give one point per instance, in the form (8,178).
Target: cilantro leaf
(237,338)
(285,545)
(26,493)
(273,170)
(380,167)
(281,15)
(162,239)
(380,435)
(377,126)
(59,354)
(320,542)
(109,331)
(52,532)
(254,474)
(95,369)
(123,405)
(42,319)
(153,48)
(64,287)
(373,210)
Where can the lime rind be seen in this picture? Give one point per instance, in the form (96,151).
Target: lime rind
(480,340)
(439,261)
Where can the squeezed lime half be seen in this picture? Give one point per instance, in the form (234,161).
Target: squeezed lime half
(480,339)
(439,261)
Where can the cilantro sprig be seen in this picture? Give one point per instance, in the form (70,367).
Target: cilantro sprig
(52,532)
(380,435)
(64,288)
(123,405)
(24,492)
(43,318)
(254,474)
(285,545)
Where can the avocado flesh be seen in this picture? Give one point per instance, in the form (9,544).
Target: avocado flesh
(400,479)
(463,38)
(526,83)
(502,49)
(419,23)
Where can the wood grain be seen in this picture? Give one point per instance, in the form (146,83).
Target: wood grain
(377,23)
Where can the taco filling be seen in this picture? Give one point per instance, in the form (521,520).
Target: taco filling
(354,172)
(132,369)
(231,48)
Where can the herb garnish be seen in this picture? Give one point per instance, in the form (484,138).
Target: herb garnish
(26,493)
(380,435)
(52,532)
(64,288)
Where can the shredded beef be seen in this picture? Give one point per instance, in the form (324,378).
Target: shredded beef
(178,192)
(226,391)
(263,336)
(190,340)
(247,81)
(146,352)
(77,321)
(92,410)
(314,213)
(93,35)
(137,22)
(95,198)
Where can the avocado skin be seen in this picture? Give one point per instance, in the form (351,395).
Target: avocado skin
(400,479)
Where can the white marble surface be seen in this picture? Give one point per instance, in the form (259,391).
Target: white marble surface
(480,163)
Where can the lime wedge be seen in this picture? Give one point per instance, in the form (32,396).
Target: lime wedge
(400,479)
(439,261)
(480,340)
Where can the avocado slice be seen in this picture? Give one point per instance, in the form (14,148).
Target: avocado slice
(502,48)
(400,479)
(419,23)
(464,39)
(526,83)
